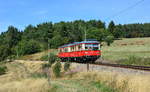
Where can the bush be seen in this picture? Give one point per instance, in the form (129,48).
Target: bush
(11,58)
(52,58)
(67,66)
(27,47)
(4,52)
(47,65)
(57,69)
(3,70)
(109,40)
(39,75)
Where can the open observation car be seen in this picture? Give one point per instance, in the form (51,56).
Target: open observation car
(84,51)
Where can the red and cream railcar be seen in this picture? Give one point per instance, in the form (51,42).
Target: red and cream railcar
(85,51)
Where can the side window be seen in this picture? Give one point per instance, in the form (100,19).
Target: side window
(77,47)
(71,49)
(80,47)
(95,47)
(86,48)
(66,50)
(91,46)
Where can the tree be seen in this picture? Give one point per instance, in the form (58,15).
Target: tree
(4,52)
(12,36)
(44,33)
(57,40)
(35,38)
(9,40)
(111,27)
(29,33)
(109,39)
(118,32)
(27,47)
(98,34)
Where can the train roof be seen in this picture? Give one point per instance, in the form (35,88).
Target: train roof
(75,43)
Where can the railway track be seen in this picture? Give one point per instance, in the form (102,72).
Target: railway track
(144,68)
(135,67)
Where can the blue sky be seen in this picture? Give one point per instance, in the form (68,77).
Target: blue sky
(21,13)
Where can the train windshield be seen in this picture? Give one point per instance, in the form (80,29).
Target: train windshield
(91,46)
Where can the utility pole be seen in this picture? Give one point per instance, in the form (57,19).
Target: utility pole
(85,34)
(86,56)
(47,70)
(17,52)
(48,50)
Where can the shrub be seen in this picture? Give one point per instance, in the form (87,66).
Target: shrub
(57,69)
(39,75)
(11,58)
(46,65)
(3,70)
(109,40)
(67,66)
(52,58)
(27,47)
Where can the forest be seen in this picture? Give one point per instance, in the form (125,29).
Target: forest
(15,42)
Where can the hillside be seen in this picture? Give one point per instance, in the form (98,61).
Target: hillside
(121,51)
(27,76)
(128,51)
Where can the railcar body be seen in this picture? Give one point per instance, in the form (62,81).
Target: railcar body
(84,51)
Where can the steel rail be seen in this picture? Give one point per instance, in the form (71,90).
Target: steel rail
(145,68)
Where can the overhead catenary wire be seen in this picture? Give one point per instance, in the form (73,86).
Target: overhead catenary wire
(124,10)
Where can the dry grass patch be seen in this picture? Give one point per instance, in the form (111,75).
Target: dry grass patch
(123,83)
(32,66)
(26,85)
(37,56)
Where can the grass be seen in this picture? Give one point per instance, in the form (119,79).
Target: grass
(102,87)
(23,76)
(25,85)
(37,56)
(132,60)
(20,78)
(120,82)
(77,85)
(3,69)
(125,48)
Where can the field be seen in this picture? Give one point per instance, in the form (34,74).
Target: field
(27,76)
(122,50)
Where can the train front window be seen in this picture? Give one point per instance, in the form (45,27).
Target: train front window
(95,47)
(91,47)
